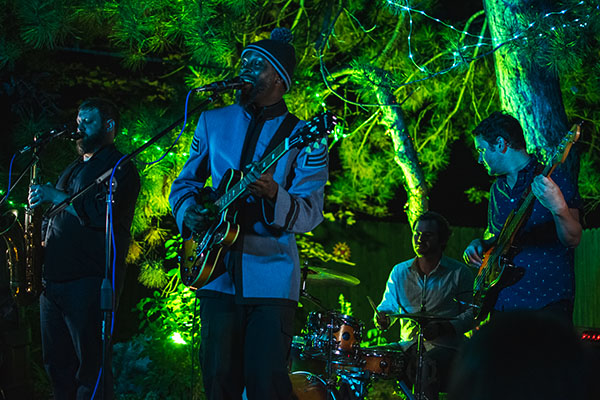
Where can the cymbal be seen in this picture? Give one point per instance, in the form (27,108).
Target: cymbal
(326,276)
(422,316)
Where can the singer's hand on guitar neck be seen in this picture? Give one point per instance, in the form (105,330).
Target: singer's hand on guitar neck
(264,187)
(549,194)
(568,227)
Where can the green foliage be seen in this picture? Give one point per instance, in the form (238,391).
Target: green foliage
(476,195)
(152,365)
(373,337)
(345,306)
(152,275)
(311,250)
(197,42)
(560,40)
(589,181)
(152,368)
(53,52)
(44,24)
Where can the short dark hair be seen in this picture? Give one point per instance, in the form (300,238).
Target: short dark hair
(106,108)
(443,226)
(503,125)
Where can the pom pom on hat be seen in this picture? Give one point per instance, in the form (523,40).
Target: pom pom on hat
(282,35)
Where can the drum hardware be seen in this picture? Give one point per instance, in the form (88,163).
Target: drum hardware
(307,386)
(383,362)
(334,335)
(327,276)
(423,316)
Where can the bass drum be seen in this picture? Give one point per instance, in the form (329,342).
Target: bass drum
(307,386)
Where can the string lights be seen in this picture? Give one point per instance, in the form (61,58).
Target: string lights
(460,56)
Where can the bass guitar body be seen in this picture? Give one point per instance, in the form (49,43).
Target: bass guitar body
(201,258)
(496,273)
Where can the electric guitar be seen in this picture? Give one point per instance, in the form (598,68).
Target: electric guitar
(497,271)
(200,257)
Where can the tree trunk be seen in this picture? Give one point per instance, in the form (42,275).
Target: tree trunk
(528,91)
(406,156)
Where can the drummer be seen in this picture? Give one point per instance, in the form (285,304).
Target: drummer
(436,287)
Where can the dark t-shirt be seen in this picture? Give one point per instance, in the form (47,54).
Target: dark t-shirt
(75,246)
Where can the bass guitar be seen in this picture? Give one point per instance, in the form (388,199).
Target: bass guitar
(200,258)
(497,271)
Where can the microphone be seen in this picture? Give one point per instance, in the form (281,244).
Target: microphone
(66,132)
(219,86)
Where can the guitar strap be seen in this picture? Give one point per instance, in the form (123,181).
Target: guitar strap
(538,169)
(234,266)
(286,127)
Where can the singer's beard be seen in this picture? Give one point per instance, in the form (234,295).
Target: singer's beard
(90,143)
(248,96)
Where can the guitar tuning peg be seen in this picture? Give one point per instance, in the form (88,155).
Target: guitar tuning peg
(324,141)
(316,145)
(308,149)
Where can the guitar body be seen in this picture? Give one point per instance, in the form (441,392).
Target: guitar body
(496,273)
(201,260)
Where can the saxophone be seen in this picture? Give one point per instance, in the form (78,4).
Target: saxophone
(31,286)
(13,239)
(23,251)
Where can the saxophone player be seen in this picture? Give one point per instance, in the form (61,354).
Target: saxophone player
(74,255)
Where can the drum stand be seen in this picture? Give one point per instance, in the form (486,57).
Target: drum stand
(405,390)
(420,359)
(420,347)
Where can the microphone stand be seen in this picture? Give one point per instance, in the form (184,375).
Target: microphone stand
(420,346)
(106,290)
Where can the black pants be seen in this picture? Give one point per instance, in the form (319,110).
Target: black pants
(70,320)
(245,346)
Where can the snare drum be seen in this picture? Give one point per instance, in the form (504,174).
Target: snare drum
(384,363)
(307,386)
(346,334)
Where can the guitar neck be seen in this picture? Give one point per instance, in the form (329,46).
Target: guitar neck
(241,187)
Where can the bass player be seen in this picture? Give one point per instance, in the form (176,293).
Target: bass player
(247,312)
(545,243)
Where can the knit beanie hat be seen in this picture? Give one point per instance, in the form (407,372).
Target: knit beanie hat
(279,52)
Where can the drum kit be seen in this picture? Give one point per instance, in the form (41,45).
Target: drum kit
(327,361)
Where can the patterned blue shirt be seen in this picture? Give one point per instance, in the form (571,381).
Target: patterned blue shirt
(549,265)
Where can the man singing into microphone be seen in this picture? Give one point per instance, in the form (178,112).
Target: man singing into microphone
(247,312)
(74,255)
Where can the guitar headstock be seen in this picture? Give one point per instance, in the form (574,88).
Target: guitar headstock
(564,147)
(315,131)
